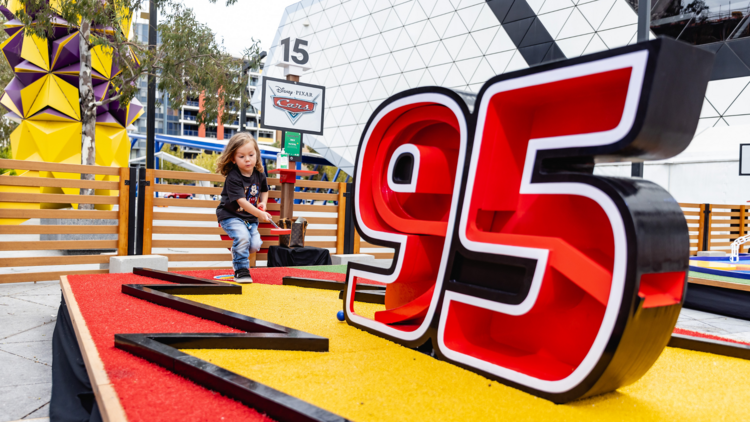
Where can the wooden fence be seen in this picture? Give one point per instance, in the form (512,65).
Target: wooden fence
(202,219)
(36,196)
(714,227)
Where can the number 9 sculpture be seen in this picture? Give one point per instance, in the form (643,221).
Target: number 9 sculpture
(511,256)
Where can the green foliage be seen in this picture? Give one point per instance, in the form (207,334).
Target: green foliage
(207,161)
(5,153)
(188,63)
(191,63)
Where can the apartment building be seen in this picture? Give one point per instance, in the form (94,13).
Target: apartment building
(182,121)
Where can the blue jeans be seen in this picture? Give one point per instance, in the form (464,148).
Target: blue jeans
(246,239)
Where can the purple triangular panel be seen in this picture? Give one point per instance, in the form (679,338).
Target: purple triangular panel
(69,74)
(71,79)
(97,78)
(28,67)
(107,118)
(60,31)
(12,30)
(133,110)
(68,54)
(13,90)
(52,112)
(119,113)
(15,117)
(7,13)
(12,50)
(28,78)
(101,92)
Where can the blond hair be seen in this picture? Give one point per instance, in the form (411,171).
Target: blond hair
(225,163)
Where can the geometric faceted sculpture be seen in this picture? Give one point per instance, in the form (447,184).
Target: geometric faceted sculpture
(512,258)
(44,99)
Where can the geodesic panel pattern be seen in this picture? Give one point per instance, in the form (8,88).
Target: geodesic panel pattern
(364,51)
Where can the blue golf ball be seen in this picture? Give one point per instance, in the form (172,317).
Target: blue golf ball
(340,315)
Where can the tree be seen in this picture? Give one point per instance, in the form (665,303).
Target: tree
(189,62)
(6,125)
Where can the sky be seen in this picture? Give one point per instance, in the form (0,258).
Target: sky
(246,19)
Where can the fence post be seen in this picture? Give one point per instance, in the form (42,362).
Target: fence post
(123,211)
(341,220)
(706,226)
(132,208)
(356,243)
(349,231)
(743,211)
(148,212)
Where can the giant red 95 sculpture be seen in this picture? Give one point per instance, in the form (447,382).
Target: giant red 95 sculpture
(512,257)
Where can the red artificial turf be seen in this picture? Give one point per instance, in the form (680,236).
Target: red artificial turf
(707,336)
(148,392)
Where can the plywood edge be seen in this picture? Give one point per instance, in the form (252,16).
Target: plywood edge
(722,284)
(109,404)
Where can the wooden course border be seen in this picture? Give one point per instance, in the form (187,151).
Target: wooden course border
(109,403)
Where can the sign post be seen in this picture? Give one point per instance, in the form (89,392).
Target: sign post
(293,108)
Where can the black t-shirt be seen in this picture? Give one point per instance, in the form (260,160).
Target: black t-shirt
(237,186)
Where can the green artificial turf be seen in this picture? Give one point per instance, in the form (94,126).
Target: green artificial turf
(341,269)
(705,276)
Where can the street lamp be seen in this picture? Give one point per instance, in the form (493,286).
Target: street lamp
(245,67)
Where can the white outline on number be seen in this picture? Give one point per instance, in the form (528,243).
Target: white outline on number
(428,99)
(410,187)
(637,61)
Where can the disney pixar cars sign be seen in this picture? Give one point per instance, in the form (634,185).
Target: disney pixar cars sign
(292,106)
(512,257)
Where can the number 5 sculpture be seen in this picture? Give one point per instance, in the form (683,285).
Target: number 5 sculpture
(511,256)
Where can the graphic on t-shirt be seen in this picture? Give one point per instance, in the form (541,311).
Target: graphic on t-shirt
(251,194)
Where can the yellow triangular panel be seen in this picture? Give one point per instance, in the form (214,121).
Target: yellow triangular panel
(35,50)
(7,102)
(22,144)
(14,6)
(126,17)
(30,94)
(59,142)
(46,117)
(51,91)
(69,95)
(101,60)
(39,100)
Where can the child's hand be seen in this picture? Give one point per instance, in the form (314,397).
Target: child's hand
(264,217)
(262,206)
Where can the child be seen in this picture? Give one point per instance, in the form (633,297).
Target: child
(243,200)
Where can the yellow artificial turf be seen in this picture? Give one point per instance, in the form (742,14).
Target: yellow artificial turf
(366,378)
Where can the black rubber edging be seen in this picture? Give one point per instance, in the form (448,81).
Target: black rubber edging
(716,347)
(162,349)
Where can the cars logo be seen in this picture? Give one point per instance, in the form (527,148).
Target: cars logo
(294,107)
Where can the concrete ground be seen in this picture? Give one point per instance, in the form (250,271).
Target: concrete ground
(27,319)
(28,313)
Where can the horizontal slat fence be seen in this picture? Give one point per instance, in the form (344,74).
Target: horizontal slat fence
(714,227)
(197,217)
(725,224)
(36,192)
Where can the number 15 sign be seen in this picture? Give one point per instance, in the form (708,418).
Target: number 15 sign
(512,257)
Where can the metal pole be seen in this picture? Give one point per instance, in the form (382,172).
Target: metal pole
(243,111)
(151,107)
(644,29)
